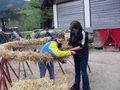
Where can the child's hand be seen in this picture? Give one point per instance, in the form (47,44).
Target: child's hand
(73,52)
(76,48)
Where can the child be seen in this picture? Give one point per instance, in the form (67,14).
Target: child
(52,47)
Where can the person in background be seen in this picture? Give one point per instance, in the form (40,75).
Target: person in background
(15,35)
(48,34)
(3,37)
(52,46)
(79,38)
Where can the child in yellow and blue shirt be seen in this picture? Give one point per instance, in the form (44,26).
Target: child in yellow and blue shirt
(52,47)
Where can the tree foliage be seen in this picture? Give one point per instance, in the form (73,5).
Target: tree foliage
(35,17)
(28,17)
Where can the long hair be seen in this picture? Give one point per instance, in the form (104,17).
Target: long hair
(75,25)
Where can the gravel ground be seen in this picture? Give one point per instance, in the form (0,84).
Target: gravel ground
(105,68)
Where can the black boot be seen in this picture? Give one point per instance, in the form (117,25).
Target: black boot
(73,88)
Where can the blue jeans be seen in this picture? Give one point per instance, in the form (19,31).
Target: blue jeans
(81,70)
(43,66)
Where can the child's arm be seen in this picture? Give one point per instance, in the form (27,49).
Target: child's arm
(54,48)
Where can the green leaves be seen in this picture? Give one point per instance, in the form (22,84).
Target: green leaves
(33,4)
(33,16)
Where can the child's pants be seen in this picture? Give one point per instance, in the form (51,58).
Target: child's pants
(43,66)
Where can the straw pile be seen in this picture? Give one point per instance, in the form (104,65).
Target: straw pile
(66,46)
(28,56)
(25,56)
(63,82)
(25,43)
(6,52)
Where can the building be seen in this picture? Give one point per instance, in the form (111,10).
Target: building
(93,14)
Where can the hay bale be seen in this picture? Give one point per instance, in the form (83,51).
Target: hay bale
(63,82)
(5,51)
(25,43)
(28,56)
(25,56)
(66,46)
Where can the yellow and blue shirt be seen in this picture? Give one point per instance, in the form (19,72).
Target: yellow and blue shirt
(52,48)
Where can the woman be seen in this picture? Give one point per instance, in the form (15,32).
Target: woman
(79,38)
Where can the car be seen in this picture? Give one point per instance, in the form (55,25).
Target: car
(61,30)
(42,34)
(26,34)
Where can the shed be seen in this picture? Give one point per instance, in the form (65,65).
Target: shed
(93,14)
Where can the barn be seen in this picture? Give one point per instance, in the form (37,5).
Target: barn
(93,14)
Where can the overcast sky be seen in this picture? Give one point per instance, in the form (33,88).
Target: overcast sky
(6,4)
(27,0)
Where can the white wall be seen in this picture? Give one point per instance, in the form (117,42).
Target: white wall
(55,16)
(87,13)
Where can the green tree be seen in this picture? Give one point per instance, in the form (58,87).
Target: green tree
(35,17)
(10,17)
(28,17)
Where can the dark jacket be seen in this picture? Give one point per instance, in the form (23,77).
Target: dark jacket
(76,40)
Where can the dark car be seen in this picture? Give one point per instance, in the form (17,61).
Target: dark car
(42,34)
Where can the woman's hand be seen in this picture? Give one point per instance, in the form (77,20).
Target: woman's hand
(75,48)
(73,52)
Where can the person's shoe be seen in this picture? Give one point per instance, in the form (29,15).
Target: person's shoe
(72,88)
(86,89)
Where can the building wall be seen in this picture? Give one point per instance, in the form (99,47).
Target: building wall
(104,13)
(62,1)
(67,12)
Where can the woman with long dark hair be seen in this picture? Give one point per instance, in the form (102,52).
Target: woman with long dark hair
(79,38)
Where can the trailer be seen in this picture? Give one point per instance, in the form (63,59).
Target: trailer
(107,38)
